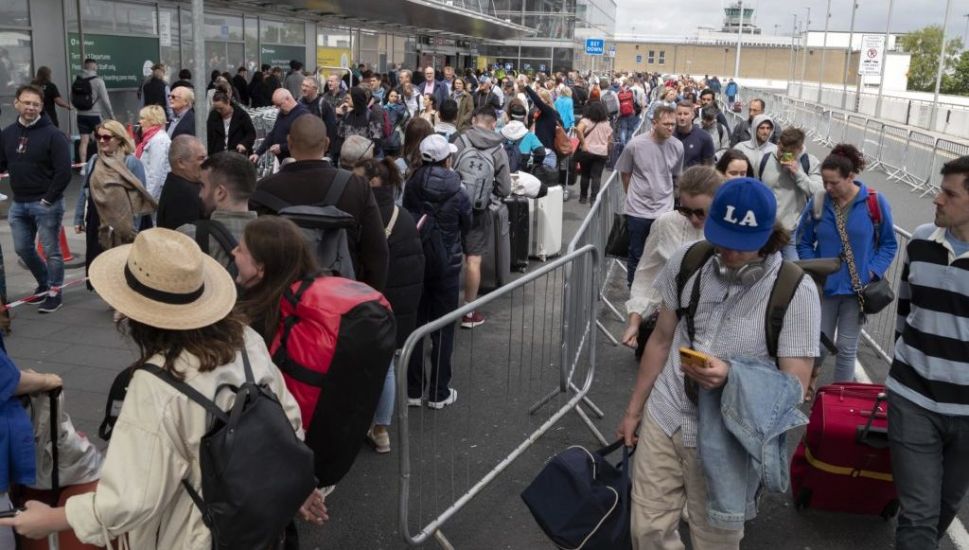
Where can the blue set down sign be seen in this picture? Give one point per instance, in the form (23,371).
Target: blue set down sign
(595,46)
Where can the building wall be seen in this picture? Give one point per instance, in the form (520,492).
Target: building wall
(760,62)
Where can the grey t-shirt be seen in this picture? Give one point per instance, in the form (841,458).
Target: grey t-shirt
(652,167)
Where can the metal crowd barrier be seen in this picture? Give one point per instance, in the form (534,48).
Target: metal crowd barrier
(879,329)
(909,156)
(447,457)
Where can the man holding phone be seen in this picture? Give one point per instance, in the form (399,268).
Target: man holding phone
(794,175)
(733,286)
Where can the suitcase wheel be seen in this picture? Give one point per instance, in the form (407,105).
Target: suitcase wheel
(890,510)
(803,499)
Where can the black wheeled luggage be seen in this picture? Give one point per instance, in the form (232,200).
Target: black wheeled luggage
(518,231)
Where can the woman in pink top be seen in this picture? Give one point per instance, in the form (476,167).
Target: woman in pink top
(595,140)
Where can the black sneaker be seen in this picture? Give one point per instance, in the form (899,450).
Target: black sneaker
(40,293)
(51,303)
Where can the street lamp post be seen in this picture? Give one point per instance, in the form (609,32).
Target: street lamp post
(804,63)
(938,75)
(881,79)
(790,79)
(824,48)
(851,39)
(740,35)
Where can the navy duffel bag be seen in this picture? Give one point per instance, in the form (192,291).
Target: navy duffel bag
(582,501)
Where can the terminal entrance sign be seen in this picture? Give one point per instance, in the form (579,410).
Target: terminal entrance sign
(123,61)
(595,46)
(280,56)
(872,55)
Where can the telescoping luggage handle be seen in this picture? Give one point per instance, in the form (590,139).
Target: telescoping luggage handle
(874,437)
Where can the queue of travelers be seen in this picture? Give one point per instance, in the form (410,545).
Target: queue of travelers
(205,264)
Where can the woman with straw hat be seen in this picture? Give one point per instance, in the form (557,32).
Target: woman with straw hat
(178,302)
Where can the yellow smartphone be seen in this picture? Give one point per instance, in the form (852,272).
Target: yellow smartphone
(787,157)
(695,359)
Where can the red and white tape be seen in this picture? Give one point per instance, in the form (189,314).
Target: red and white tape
(37,297)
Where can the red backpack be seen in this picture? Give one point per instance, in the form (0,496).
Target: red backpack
(335,340)
(627,102)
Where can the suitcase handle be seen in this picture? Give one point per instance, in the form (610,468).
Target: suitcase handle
(864,433)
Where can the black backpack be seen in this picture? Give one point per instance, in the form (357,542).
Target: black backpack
(256,474)
(324,226)
(226,240)
(82,93)
(514,154)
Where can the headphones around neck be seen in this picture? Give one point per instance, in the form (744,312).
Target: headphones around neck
(745,275)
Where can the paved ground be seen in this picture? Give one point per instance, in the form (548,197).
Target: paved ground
(514,362)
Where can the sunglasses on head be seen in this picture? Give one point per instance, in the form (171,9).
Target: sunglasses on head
(688,212)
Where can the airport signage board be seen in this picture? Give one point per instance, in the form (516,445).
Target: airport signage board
(123,61)
(595,46)
(280,56)
(872,55)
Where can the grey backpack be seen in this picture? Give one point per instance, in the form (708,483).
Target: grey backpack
(477,170)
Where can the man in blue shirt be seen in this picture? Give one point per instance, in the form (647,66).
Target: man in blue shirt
(698,146)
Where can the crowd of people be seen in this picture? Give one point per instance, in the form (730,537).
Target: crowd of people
(197,255)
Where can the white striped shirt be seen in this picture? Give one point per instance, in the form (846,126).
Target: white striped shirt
(667,235)
(729,323)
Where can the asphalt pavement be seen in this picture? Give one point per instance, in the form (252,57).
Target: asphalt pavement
(501,368)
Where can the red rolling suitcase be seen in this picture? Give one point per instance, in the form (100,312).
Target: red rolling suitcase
(843,463)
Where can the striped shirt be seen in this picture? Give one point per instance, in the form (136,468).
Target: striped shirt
(931,366)
(729,323)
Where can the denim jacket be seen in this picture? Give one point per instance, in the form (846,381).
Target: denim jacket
(741,439)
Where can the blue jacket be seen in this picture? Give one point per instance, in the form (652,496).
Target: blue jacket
(731,88)
(873,253)
(566,110)
(280,131)
(741,438)
(17,455)
(437,191)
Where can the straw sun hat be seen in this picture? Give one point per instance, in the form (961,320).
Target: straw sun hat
(164,280)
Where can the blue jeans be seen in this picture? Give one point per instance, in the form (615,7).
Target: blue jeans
(638,230)
(929,456)
(627,127)
(842,313)
(385,407)
(27,221)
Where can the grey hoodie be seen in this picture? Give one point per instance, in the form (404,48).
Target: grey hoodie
(753,149)
(792,190)
(102,103)
(487,139)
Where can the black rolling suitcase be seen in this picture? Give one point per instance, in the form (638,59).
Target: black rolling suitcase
(518,231)
(496,260)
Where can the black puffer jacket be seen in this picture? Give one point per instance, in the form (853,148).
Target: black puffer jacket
(405,278)
(437,189)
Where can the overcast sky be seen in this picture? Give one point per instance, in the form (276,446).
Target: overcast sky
(682,18)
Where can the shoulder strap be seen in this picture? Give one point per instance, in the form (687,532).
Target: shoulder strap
(763,164)
(874,209)
(337,187)
(188,391)
(805,163)
(697,255)
(266,198)
(202,235)
(817,205)
(393,221)
(788,280)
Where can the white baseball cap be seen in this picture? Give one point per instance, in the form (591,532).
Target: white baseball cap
(434,148)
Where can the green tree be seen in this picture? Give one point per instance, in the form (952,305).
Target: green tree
(957,83)
(924,45)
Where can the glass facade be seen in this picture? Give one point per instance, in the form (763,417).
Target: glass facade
(16,58)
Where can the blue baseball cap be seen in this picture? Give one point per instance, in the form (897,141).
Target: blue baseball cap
(742,215)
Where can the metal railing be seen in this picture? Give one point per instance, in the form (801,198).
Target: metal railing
(447,457)
(910,156)
(879,329)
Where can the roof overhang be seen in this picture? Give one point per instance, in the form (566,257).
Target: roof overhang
(431,17)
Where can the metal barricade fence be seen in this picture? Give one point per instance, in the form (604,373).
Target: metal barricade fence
(836,130)
(824,127)
(879,329)
(945,151)
(918,159)
(447,457)
(894,144)
(854,130)
(871,147)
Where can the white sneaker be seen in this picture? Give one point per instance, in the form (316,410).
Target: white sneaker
(449,400)
(414,401)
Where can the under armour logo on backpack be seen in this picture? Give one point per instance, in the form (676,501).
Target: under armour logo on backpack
(749,219)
